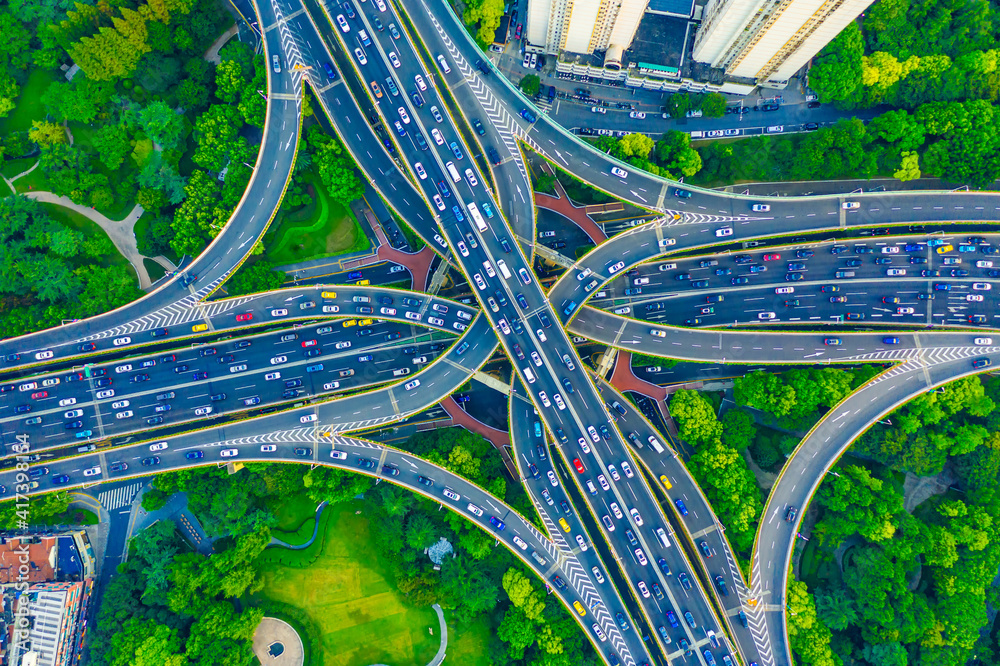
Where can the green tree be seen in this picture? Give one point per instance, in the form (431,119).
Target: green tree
(335,167)
(46,133)
(738,429)
(909,168)
(695,417)
(105,288)
(112,144)
(836,609)
(713,105)
(517,631)
(674,152)
(678,105)
(837,71)
(215,131)
(488,14)
(146,643)
(522,594)
(257,277)
(162,124)
(764,391)
(530,84)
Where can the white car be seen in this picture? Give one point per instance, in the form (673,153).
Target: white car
(308,418)
(978,298)
(93,471)
(896,272)
(268,448)
(592,431)
(623,310)
(621,173)
(475,510)
(982,286)
(229,453)
(435,321)
(471,177)
(984,264)
(643,589)
(345,344)
(760,208)
(127,414)
(437,136)
(419,168)
(657,333)
(118,342)
(331,308)
(583,445)
(724,231)
(489,269)
(541,334)
(479,281)
(595,109)
(203,411)
(65,402)
(409,386)
(389,312)
(766,316)
(394,59)
(598,576)
(581,542)
(419,80)
(983,341)
(123,368)
(280,312)
(338,455)
(890,249)
(342,22)
(638,115)
(465,252)
(444,64)
(277,360)
(584,274)
(158,447)
(44,355)
(329,386)
(403,115)
(552,478)
(627,469)
(109,393)
(641,556)
(601,479)
(360,55)
(51,381)
(785,290)
(519,542)
(635,516)
(417,360)
(617,511)
(271,376)
(536,358)
(438,201)
(613,471)
(614,268)
(73,413)
(381,5)
(850,205)
(904,310)
(544,398)
(559,402)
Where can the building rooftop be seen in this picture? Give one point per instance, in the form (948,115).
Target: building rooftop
(42,558)
(659,43)
(683,8)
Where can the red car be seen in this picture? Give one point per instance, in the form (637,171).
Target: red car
(517,33)
(772,257)
(578,465)
(308,343)
(39,395)
(246,316)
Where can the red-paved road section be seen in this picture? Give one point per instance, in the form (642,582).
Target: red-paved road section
(578,214)
(498,438)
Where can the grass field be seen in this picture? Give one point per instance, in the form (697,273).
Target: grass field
(74,220)
(358,616)
(154,270)
(321,229)
(20,165)
(29,104)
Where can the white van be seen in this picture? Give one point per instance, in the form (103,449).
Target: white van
(502,265)
(450,166)
(662,536)
(529,375)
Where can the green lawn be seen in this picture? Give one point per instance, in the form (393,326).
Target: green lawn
(74,220)
(323,228)
(338,590)
(29,105)
(20,165)
(292,513)
(154,270)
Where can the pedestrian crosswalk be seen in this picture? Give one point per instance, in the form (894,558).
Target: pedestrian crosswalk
(118,497)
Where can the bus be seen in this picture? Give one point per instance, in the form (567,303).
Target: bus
(474,211)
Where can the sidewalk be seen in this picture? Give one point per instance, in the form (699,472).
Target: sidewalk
(579,215)
(499,438)
(212,54)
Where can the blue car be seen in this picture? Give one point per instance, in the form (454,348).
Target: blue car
(458,213)
(194,455)
(497,523)
(679,503)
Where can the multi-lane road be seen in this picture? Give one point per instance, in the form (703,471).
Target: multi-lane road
(436,132)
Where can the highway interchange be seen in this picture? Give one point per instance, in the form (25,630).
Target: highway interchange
(589,445)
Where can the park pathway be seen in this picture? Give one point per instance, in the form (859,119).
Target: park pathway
(121,233)
(278,542)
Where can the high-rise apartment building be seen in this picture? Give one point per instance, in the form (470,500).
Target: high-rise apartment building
(770,40)
(583,26)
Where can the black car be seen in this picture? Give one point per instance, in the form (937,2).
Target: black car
(385,300)
(60,480)
(141,377)
(198,376)
(86,347)
(119,466)
(207,351)
(218,396)
(604,433)
(226,358)
(720,584)
(153,460)
(292,383)
(180,368)
(302,451)
(315,351)
(154,420)
(544,318)
(74,424)
(478,126)
(424,481)
(366,463)
(390,470)
(170,358)
(289,394)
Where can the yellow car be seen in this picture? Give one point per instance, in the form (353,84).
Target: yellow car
(942,249)
(362,283)
(666,482)
(329,294)
(564,525)
(349,322)
(579,608)
(198,328)
(366,322)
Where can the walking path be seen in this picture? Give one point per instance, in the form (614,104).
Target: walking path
(212,54)
(578,214)
(121,233)
(278,542)
(439,657)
